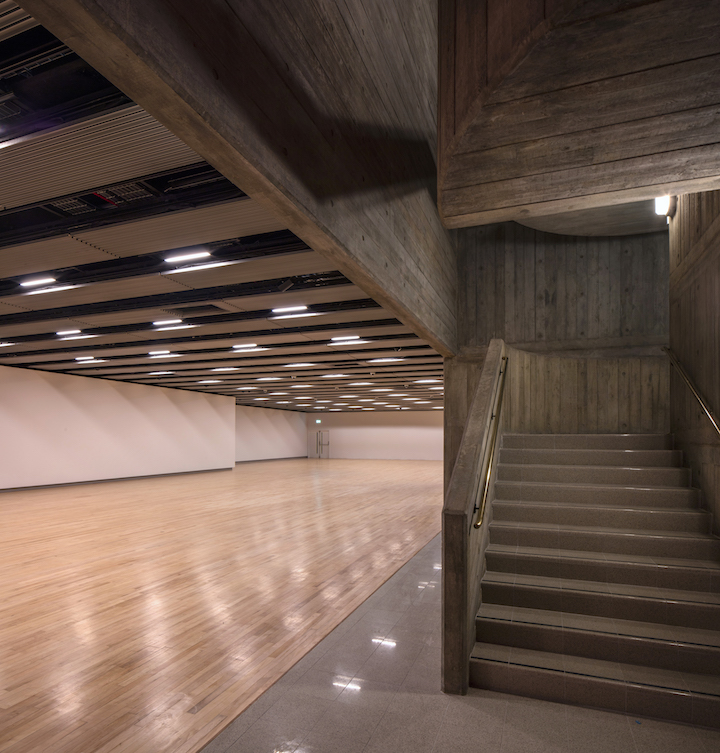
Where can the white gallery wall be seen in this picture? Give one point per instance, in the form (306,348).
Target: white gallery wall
(387,435)
(267,434)
(57,428)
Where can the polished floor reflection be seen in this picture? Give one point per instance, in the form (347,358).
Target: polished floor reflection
(143,615)
(373,686)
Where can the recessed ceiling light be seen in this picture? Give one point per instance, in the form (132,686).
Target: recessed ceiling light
(360,384)
(319,407)
(238,351)
(176,326)
(375,402)
(55,289)
(158,352)
(198,267)
(6,344)
(365,400)
(385,360)
(68,332)
(166,355)
(94,360)
(301,386)
(367,408)
(404,408)
(349,342)
(334,376)
(398,394)
(243,389)
(437,407)
(422,402)
(303,406)
(245,345)
(226,368)
(427,381)
(348,395)
(288,309)
(283,402)
(165,322)
(381,389)
(210,381)
(278,393)
(187,257)
(84,358)
(78,337)
(39,281)
(335,409)
(413,399)
(343,404)
(346,337)
(160,373)
(297,365)
(436,388)
(269,379)
(324,401)
(262,398)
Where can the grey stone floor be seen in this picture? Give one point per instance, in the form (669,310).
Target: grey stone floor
(373,686)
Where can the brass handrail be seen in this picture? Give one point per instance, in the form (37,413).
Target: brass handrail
(686,378)
(493,443)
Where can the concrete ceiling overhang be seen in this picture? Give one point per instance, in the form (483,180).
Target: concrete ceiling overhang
(554,107)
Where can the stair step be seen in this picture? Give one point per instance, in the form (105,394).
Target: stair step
(697,521)
(590,474)
(623,458)
(695,609)
(588,441)
(612,495)
(678,544)
(625,641)
(660,572)
(636,690)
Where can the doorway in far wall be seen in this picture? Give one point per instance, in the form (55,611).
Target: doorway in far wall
(319,443)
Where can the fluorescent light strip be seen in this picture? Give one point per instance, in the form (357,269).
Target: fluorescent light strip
(68,332)
(269,379)
(210,381)
(334,376)
(166,322)
(78,337)
(56,289)
(288,309)
(6,344)
(429,381)
(160,373)
(298,365)
(346,337)
(385,360)
(246,345)
(34,283)
(93,360)
(198,267)
(176,326)
(226,368)
(295,316)
(348,342)
(187,257)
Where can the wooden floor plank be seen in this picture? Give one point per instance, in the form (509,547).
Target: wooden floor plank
(144,614)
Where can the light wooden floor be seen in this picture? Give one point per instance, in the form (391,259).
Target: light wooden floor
(142,615)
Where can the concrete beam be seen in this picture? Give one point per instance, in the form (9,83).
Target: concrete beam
(324,115)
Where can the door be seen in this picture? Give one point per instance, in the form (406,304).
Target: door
(319,444)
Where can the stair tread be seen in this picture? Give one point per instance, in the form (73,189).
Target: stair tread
(596,624)
(622,507)
(605,529)
(606,588)
(609,557)
(604,487)
(600,668)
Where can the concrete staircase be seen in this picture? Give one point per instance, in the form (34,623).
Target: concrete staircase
(603,580)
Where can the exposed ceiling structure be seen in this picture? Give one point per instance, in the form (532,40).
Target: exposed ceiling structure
(124,256)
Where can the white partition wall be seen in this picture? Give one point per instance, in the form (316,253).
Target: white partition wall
(266,434)
(57,428)
(388,435)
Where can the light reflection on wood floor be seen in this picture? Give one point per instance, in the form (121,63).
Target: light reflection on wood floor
(142,615)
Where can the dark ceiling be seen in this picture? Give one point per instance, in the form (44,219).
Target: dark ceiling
(97,203)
